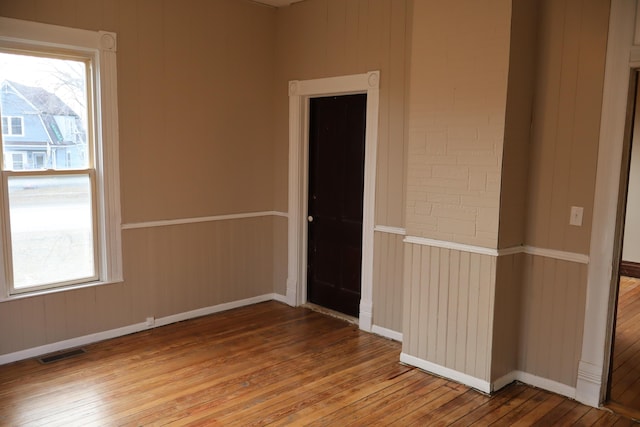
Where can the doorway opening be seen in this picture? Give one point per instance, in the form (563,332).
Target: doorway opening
(300,94)
(335,188)
(623,391)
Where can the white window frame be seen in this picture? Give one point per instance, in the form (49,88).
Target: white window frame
(100,47)
(8,131)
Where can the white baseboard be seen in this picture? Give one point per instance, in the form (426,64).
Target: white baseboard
(365,318)
(137,327)
(547,384)
(280,298)
(387,333)
(536,381)
(486,387)
(504,381)
(468,380)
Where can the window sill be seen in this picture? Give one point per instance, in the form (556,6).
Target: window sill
(43,292)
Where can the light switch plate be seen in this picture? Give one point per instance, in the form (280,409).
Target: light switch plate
(576,215)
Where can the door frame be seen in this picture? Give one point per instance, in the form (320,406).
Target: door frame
(623,56)
(300,91)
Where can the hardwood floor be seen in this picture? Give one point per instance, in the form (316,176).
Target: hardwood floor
(625,378)
(263,364)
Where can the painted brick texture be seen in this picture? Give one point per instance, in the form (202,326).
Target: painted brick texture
(458,80)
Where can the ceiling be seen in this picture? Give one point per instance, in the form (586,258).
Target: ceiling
(277,3)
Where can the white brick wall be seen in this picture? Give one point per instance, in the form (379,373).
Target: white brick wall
(457,101)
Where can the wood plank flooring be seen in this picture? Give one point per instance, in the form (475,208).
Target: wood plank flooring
(267,364)
(625,378)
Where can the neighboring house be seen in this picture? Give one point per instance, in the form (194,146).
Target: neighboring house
(39,130)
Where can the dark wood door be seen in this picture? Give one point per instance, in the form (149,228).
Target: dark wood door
(336,185)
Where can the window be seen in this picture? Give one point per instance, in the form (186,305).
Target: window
(15,161)
(12,126)
(38,160)
(61,209)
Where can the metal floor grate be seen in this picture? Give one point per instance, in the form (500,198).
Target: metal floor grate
(61,356)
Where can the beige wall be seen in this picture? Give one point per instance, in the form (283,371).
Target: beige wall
(388,264)
(513,214)
(566,122)
(562,171)
(168,270)
(194,73)
(448,308)
(631,246)
(507,315)
(517,128)
(191,75)
(553,304)
(457,100)
(214,62)
(325,38)
(553,53)
(456,131)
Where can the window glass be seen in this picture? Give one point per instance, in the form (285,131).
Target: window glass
(16,125)
(51,213)
(51,229)
(45,98)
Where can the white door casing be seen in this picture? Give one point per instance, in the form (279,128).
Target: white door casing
(300,91)
(622,58)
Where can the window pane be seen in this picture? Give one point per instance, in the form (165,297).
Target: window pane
(51,229)
(16,126)
(45,100)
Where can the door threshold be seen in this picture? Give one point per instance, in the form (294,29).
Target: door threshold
(623,410)
(332,313)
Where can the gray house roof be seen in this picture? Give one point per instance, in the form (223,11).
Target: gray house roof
(44,101)
(37,107)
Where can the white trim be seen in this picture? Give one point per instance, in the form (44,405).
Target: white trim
(559,255)
(452,245)
(169,222)
(214,309)
(100,47)
(280,298)
(535,381)
(387,333)
(365,318)
(390,230)
(504,381)
(547,384)
(530,250)
(423,241)
(300,91)
(462,378)
(513,250)
(137,327)
(70,343)
(484,386)
(591,386)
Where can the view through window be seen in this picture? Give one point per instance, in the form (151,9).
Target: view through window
(47,170)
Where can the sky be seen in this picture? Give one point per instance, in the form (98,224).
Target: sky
(64,77)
